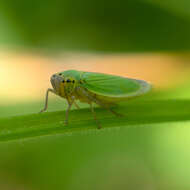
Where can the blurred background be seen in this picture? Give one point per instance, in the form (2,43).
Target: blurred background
(145,39)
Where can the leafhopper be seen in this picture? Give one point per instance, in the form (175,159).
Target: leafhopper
(102,89)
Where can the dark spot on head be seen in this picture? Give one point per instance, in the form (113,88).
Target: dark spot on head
(63,81)
(60,74)
(68,80)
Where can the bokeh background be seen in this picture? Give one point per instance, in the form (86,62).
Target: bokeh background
(145,39)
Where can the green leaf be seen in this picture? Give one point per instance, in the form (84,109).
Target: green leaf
(137,112)
(109,26)
(178,7)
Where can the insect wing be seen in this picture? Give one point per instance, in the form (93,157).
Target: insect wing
(113,86)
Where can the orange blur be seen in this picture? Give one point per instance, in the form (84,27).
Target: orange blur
(26,76)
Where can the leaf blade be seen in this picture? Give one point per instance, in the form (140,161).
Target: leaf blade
(51,123)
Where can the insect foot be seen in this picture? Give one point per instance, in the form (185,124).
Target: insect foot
(98,124)
(66,122)
(41,111)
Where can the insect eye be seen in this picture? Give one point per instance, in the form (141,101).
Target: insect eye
(68,80)
(63,81)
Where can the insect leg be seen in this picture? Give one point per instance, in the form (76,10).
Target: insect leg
(70,103)
(76,105)
(93,99)
(94,115)
(46,99)
(90,97)
(115,113)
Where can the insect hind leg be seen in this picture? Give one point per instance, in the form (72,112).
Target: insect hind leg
(115,113)
(100,103)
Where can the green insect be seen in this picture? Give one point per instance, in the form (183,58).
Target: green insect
(102,89)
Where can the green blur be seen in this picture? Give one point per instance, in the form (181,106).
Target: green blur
(148,149)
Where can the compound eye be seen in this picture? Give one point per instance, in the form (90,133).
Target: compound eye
(68,80)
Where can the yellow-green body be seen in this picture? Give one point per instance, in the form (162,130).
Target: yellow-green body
(102,89)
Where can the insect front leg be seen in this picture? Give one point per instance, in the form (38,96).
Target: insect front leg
(70,103)
(46,99)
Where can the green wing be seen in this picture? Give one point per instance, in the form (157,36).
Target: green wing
(113,86)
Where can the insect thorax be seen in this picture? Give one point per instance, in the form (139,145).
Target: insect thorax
(67,89)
